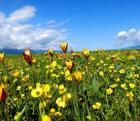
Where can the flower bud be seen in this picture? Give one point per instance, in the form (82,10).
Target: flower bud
(64,46)
(3,94)
(51,52)
(2,55)
(69,65)
(86,53)
(27,56)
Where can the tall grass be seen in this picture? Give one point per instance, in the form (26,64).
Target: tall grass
(118,71)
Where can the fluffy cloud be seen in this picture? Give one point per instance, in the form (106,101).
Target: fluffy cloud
(16,33)
(22,14)
(132,35)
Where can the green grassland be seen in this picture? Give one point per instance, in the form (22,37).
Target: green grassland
(106,87)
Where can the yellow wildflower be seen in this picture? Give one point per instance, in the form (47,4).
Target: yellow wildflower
(69,95)
(69,78)
(60,102)
(37,92)
(130,95)
(78,76)
(117,79)
(47,66)
(136,75)
(22,95)
(53,64)
(123,86)
(48,95)
(53,75)
(34,61)
(131,85)
(18,87)
(16,73)
(133,68)
(68,75)
(122,71)
(46,88)
(111,67)
(38,85)
(67,72)
(52,110)
(101,73)
(109,91)
(113,85)
(65,98)
(15,99)
(61,89)
(30,87)
(25,78)
(101,61)
(58,113)
(45,117)
(88,117)
(92,58)
(97,105)
(61,73)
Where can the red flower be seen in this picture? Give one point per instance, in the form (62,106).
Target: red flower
(51,52)
(69,65)
(3,94)
(72,51)
(27,56)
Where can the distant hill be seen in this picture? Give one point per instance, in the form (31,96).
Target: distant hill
(133,47)
(20,51)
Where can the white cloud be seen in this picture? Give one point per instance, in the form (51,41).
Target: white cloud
(15,33)
(131,35)
(22,14)
(54,24)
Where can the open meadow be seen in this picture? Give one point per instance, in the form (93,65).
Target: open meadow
(70,86)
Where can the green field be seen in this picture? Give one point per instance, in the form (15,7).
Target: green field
(97,86)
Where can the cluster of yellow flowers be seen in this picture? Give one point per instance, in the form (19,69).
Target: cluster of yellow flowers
(69,85)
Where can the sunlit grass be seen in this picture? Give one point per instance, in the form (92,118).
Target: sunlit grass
(77,86)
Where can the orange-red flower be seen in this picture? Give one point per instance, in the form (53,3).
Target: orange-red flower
(3,94)
(51,52)
(69,65)
(27,56)
(77,55)
(2,57)
(72,51)
(64,46)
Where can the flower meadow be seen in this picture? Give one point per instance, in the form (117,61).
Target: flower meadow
(70,86)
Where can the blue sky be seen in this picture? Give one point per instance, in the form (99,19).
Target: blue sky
(83,23)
